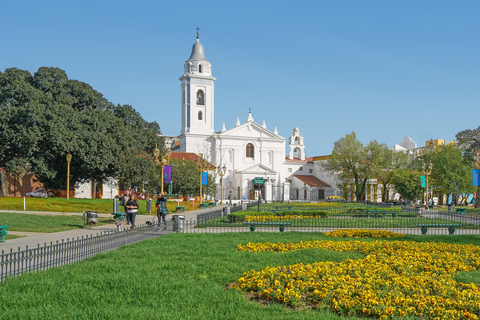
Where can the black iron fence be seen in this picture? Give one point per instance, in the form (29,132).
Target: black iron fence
(406,220)
(67,251)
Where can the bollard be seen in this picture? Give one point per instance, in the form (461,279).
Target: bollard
(116,206)
(178,223)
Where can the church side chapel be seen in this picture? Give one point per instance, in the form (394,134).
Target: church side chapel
(254,156)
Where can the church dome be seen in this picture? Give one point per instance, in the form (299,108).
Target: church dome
(197,52)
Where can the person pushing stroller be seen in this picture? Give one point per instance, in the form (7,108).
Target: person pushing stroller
(162,210)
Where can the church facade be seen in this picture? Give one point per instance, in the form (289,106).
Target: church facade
(254,156)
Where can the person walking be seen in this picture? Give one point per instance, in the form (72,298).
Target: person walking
(230,197)
(162,210)
(132,207)
(123,202)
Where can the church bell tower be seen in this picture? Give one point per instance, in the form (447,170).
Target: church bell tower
(197,93)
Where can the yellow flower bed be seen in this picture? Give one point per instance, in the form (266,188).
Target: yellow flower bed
(362,233)
(395,279)
(278,218)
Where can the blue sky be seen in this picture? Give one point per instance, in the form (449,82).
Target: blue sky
(384,69)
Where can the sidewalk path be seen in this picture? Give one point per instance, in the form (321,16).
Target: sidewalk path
(33,239)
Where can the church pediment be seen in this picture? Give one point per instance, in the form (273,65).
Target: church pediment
(258,169)
(250,130)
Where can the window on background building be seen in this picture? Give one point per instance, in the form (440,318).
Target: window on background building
(310,170)
(270,157)
(200,68)
(200,115)
(249,151)
(300,169)
(230,156)
(200,98)
(289,170)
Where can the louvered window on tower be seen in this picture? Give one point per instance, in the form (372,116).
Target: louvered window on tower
(200,98)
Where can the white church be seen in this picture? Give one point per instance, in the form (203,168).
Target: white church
(254,156)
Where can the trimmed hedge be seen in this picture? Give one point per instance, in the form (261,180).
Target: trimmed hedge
(240,216)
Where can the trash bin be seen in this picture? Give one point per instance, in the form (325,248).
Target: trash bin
(149,205)
(450,208)
(244,206)
(225,211)
(178,223)
(90,218)
(116,206)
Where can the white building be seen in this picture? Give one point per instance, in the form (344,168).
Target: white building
(250,152)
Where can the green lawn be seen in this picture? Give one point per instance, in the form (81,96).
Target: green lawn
(177,276)
(77,205)
(44,223)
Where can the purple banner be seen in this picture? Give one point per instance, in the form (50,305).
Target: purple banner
(475,173)
(167,174)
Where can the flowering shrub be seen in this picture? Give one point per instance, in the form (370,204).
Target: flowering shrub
(395,279)
(362,233)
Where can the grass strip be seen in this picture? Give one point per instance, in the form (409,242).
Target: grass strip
(44,223)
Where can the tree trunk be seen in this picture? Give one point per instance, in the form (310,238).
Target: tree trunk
(3,183)
(477,199)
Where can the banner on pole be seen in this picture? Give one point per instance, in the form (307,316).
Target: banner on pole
(167,174)
(423,181)
(475,173)
(204,178)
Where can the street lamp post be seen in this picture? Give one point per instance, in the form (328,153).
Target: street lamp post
(222,171)
(69,159)
(162,162)
(200,166)
(427,170)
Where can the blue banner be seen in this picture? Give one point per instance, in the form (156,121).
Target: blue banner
(167,174)
(475,173)
(423,181)
(204,178)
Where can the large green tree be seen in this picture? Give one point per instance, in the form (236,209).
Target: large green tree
(407,183)
(46,115)
(451,171)
(469,140)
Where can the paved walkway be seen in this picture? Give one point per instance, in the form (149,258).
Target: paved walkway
(33,239)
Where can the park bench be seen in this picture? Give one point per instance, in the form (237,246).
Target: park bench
(460,210)
(253,225)
(211,204)
(180,209)
(376,213)
(451,227)
(3,232)
(203,205)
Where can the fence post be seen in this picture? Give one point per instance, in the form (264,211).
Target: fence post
(24,203)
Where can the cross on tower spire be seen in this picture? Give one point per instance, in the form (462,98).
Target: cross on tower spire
(198,32)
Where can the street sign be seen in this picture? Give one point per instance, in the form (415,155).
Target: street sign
(259,181)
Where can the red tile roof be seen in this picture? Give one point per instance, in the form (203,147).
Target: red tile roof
(189,156)
(312,181)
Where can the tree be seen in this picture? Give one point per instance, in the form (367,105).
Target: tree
(407,183)
(385,162)
(470,141)
(45,116)
(451,171)
(346,155)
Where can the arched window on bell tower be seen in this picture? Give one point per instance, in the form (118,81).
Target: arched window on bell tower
(200,68)
(200,115)
(200,98)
